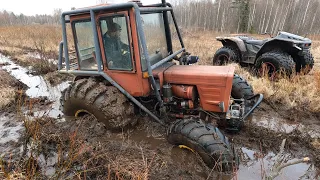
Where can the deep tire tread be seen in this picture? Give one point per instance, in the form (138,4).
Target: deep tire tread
(106,103)
(281,60)
(205,139)
(241,88)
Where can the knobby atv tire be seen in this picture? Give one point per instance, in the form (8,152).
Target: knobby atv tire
(305,63)
(106,103)
(240,88)
(281,61)
(230,53)
(205,139)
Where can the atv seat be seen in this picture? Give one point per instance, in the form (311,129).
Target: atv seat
(256,42)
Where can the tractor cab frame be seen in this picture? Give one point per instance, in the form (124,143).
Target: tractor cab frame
(140,74)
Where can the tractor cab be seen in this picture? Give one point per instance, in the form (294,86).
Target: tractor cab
(125,41)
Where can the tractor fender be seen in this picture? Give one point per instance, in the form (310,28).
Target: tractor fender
(235,41)
(286,45)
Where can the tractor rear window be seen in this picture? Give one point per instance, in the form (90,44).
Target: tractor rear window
(154,31)
(85,45)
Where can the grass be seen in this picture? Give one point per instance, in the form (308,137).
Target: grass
(7,90)
(32,45)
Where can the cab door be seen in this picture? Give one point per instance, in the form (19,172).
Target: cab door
(119,53)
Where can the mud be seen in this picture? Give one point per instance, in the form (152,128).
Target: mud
(82,147)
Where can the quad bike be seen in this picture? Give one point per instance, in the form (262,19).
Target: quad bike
(284,53)
(174,94)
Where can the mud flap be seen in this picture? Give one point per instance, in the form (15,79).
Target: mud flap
(206,140)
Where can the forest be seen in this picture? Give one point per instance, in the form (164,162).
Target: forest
(231,16)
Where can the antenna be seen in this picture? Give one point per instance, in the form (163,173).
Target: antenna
(163,1)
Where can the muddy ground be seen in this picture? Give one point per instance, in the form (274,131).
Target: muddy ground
(38,141)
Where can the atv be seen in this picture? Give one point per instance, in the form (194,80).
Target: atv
(286,53)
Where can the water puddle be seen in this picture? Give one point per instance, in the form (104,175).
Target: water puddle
(37,86)
(256,165)
(279,124)
(10,126)
(275,123)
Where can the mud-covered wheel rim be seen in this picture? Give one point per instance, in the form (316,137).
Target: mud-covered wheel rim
(269,69)
(222,59)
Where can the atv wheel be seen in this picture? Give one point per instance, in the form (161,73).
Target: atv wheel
(206,140)
(240,88)
(225,55)
(304,64)
(106,103)
(274,63)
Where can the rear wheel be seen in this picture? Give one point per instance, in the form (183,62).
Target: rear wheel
(205,139)
(275,63)
(106,103)
(226,54)
(240,88)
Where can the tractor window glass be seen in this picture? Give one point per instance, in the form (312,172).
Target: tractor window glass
(116,42)
(85,45)
(154,31)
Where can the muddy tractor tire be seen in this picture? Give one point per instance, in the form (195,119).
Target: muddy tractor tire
(206,140)
(275,63)
(241,88)
(106,103)
(305,63)
(225,55)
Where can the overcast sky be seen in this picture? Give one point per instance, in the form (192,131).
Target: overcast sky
(32,7)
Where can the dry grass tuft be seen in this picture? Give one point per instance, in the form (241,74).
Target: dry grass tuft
(7,91)
(32,45)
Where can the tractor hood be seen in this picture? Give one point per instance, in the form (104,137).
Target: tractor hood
(214,83)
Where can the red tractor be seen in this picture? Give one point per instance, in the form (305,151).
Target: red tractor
(125,67)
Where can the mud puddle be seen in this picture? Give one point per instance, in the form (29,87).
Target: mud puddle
(276,122)
(253,163)
(37,89)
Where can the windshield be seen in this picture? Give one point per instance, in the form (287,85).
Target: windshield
(156,42)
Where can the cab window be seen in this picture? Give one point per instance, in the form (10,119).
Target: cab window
(115,35)
(153,26)
(85,45)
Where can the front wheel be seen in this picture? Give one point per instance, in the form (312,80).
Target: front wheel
(275,63)
(206,140)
